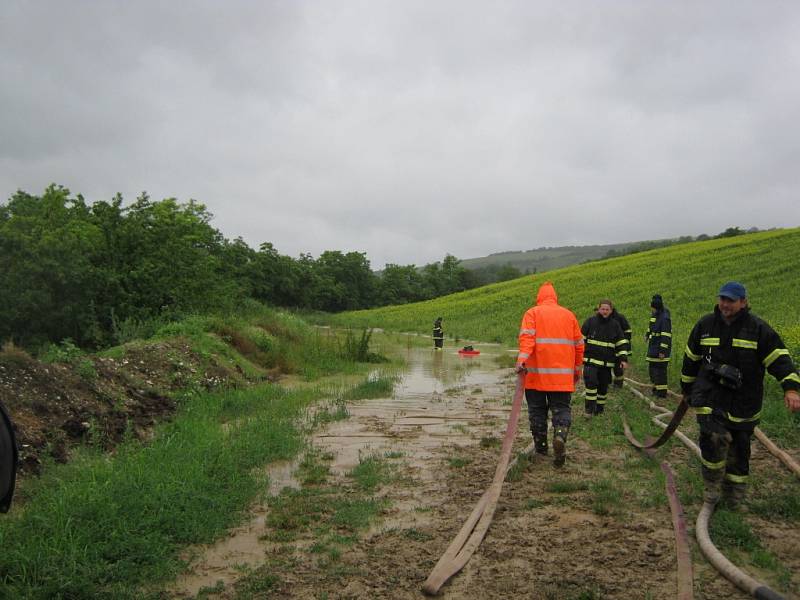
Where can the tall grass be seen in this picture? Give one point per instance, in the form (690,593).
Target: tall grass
(101,527)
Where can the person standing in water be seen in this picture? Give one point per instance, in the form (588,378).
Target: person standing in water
(438,334)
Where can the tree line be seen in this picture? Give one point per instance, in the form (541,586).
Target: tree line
(88,272)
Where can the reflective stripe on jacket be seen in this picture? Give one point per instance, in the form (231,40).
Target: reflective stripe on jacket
(659,336)
(550,344)
(605,343)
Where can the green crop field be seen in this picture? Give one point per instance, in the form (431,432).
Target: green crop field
(687,276)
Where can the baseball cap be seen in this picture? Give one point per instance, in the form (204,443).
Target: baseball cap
(733,290)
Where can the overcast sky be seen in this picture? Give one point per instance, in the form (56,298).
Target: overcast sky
(411,129)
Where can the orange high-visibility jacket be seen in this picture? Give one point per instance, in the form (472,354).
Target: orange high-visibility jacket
(550,344)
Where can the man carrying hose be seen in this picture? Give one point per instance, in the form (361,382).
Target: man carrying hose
(550,350)
(723,379)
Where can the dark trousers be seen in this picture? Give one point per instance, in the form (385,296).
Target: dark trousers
(539,402)
(596,380)
(437,342)
(725,455)
(658,377)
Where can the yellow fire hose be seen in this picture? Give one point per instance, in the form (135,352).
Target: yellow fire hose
(472,532)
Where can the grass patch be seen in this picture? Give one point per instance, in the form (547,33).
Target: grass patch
(336,411)
(101,527)
(606,497)
(417,535)
(729,530)
(371,472)
(784,503)
(377,385)
(567,486)
(459,462)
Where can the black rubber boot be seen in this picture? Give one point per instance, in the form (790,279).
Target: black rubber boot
(589,405)
(599,408)
(559,446)
(733,494)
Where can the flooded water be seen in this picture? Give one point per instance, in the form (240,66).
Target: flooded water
(442,399)
(436,400)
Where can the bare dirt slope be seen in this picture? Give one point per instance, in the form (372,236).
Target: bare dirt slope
(594,529)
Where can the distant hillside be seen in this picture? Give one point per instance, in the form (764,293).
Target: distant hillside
(544,259)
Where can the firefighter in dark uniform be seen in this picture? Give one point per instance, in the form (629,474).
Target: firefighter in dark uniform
(438,334)
(659,345)
(723,379)
(619,372)
(604,350)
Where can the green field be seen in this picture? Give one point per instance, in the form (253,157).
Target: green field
(687,276)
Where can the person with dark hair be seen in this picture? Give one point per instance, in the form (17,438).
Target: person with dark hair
(619,372)
(659,345)
(722,377)
(605,350)
(438,334)
(550,353)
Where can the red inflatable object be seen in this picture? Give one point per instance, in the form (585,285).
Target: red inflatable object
(469,352)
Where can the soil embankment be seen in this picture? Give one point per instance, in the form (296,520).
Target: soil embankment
(99,400)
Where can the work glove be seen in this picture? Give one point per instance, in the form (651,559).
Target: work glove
(520,368)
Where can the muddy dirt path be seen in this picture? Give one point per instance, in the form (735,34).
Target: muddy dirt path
(556,533)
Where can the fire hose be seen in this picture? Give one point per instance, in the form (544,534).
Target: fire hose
(784,457)
(474,529)
(682,550)
(730,571)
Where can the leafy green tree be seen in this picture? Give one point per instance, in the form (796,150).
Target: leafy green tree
(344,281)
(507,272)
(400,284)
(48,275)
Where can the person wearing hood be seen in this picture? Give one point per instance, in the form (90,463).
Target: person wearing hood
(606,347)
(659,345)
(722,377)
(550,352)
(438,334)
(619,372)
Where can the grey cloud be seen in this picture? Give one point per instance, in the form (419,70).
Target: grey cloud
(408,130)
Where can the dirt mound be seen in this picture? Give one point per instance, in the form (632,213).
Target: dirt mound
(100,400)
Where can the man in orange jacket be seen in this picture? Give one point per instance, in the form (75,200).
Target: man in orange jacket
(551,352)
